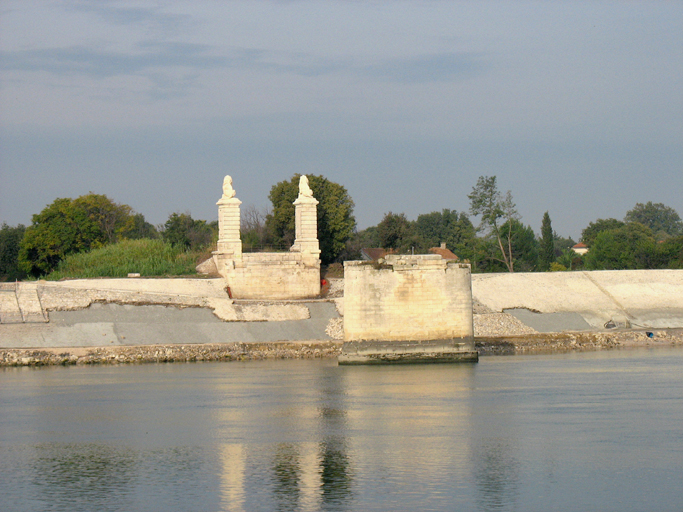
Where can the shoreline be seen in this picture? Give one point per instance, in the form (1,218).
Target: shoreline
(550,343)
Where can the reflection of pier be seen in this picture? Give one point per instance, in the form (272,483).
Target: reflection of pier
(317,442)
(297,435)
(307,466)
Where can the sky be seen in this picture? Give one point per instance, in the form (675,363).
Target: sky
(576,107)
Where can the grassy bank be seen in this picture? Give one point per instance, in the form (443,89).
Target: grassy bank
(146,257)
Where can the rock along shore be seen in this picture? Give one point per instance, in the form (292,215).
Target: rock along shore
(503,345)
(168,353)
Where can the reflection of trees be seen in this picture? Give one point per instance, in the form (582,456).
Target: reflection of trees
(316,476)
(496,472)
(335,473)
(287,474)
(80,477)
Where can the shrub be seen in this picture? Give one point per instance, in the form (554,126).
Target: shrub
(145,256)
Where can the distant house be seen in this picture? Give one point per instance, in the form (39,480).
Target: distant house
(580,248)
(445,254)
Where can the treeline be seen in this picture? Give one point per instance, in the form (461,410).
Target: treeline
(649,236)
(87,236)
(68,227)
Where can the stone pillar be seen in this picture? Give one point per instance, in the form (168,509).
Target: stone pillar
(229,242)
(306,224)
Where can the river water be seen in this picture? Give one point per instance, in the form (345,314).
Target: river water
(588,431)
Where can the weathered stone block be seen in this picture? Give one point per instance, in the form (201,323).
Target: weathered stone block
(409,298)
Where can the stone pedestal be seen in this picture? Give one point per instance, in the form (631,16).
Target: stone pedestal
(229,243)
(270,276)
(306,229)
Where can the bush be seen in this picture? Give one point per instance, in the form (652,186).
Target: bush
(10,241)
(145,256)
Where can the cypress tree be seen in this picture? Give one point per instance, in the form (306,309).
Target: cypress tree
(547,243)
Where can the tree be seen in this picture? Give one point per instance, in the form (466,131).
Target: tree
(631,246)
(449,227)
(669,253)
(561,244)
(140,228)
(547,254)
(68,226)
(394,231)
(335,214)
(181,229)
(661,219)
(589,234)
(253,230)
(485,200)
(10,241)
(368,237)
(525,246)
(113,219)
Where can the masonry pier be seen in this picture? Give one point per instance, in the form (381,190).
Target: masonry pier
(407,309)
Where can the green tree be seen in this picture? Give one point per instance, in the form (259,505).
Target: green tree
(547,253)
(661,219)
(394,231)
(561,244)
(368,238)
(447,226)
(631,246)
(140,228)
(525,246)
(114,220)
(335,214)
(492,206)
(669,253)
(589,234)
(68,226)
(10,242)
(182,230)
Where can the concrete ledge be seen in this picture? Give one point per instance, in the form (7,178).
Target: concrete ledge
(392,352)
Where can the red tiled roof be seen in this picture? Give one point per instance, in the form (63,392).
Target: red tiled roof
(446,254)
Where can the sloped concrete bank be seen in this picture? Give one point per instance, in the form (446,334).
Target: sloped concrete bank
(578,301)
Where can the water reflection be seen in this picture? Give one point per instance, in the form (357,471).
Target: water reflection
(507,434)
(232,476)
(68,476)
(496,473)
(335,474)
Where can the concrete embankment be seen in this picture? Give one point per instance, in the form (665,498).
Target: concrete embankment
(154,320)
(582,301)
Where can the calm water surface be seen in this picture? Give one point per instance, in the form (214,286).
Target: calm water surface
(597,431)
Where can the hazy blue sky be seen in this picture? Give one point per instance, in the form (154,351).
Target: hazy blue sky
(577,107)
